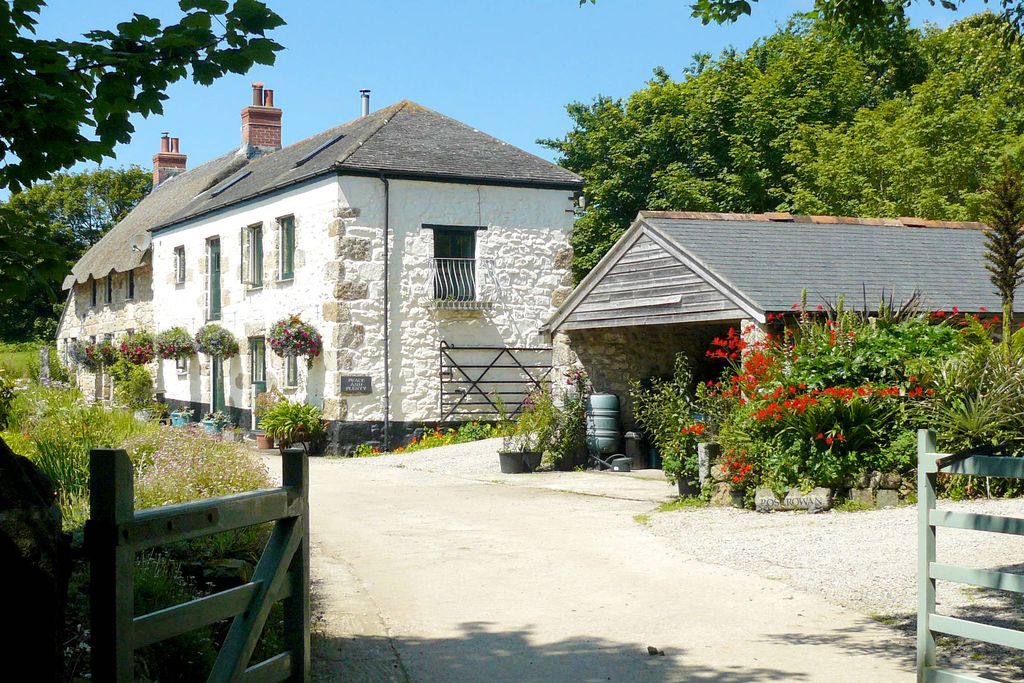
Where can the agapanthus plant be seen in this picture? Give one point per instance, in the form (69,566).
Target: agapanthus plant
(175,343)
(214,340)
(137,349)
(292,337)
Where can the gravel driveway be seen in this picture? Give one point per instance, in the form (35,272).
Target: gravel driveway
(866,561)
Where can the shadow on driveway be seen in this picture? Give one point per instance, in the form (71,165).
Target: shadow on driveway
(479,653)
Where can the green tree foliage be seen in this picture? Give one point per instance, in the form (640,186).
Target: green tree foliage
(806,120)
(67,101)
(1004,241)
(861,18)
(45,229)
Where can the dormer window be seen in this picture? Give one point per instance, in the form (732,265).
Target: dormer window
(108,296)
(92,295)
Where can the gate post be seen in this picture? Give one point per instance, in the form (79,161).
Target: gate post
(112,565)
(295,475)
(926,474)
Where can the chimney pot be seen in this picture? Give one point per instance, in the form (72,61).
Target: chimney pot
(365,97)
(261,124)
(168,161)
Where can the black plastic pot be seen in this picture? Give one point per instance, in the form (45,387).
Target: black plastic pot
(511,462)
(531,460)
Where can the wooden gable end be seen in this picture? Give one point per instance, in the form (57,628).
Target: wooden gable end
(648,285)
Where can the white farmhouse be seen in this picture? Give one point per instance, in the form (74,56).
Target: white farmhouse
(425,252)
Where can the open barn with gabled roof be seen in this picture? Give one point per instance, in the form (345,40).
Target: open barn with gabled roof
(677,280)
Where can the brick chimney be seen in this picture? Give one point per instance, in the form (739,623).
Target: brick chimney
(168,161)
(261,123)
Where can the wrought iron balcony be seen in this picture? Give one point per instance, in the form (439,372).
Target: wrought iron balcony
(463,284)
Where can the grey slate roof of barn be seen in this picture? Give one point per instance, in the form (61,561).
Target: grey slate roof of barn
(771,262)
(402,140)
(765,261)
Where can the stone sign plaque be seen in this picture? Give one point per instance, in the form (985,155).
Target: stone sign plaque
(356,384)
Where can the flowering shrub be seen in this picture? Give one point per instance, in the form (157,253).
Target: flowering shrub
(175,343)
(292,337)
(138,348)
(822,397)
(214,340)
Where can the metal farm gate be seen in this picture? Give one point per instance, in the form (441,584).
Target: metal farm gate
(477,380)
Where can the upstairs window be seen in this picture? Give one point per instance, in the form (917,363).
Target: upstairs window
(252,255)
(130,294)
(108,296)
(179,265)
(286,228)
(454,264)
(92,297)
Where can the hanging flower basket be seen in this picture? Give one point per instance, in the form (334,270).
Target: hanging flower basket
(214,340)
(175,343)
(138,348)
(77,354)
(101,353)
(292,337)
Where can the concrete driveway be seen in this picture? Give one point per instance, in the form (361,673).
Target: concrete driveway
(421,576)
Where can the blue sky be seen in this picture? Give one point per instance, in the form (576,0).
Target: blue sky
(508,67)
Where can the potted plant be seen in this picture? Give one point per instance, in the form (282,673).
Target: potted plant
(527,434)
(232,433)
(264,402)
(175,343)
(181,417)
(214,423)
(292,337)
(291,423)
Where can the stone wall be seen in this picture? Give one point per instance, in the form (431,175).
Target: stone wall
(615,356)
(84,322)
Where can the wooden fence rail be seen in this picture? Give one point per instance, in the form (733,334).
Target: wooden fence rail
(929,464)
(116,531)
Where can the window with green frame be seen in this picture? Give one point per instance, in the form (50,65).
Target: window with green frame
(286,227)
(257,359)
(254,258)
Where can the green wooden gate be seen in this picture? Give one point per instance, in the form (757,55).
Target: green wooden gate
(929,465)
(116,531)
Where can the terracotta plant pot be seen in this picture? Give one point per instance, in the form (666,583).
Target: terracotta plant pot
(264,441)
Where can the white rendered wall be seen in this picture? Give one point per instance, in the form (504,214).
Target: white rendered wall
(246,311)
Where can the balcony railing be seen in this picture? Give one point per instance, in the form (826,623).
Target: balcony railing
(462,284)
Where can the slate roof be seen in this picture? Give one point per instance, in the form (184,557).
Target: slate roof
(404,140)
(771,258)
